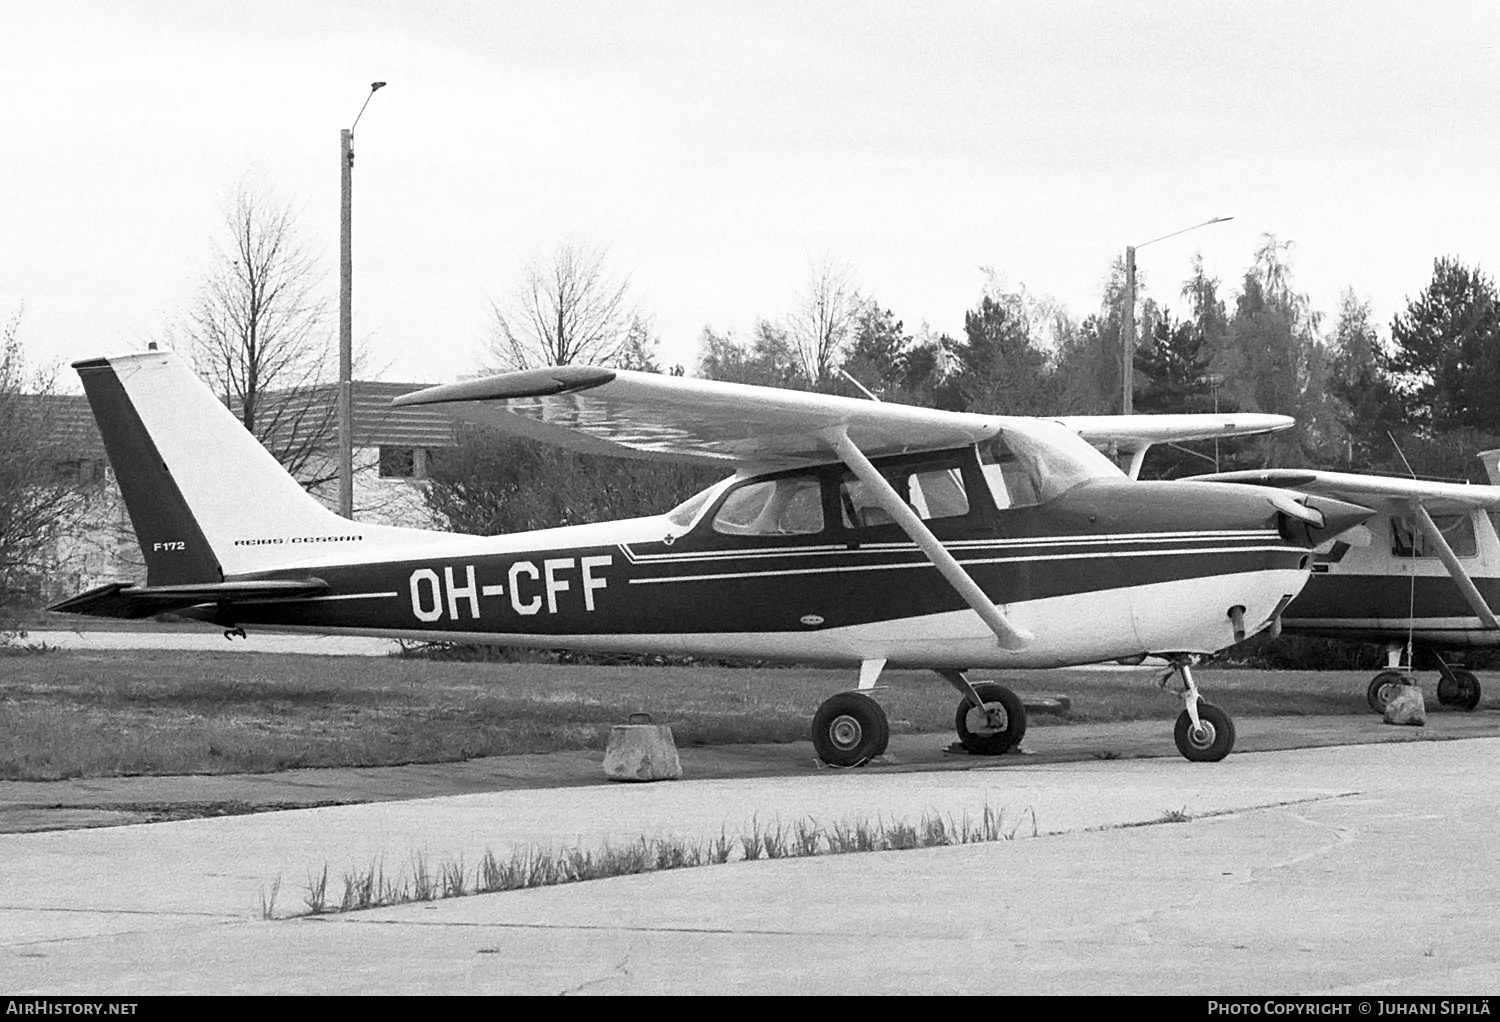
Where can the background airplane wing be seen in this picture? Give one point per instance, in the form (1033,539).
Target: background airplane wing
(1387,494)
(1131,432)
(648,415)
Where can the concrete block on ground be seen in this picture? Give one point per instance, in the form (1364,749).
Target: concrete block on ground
(641,752)
(1406,706)
(1059,705)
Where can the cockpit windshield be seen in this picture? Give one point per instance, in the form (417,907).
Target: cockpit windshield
(1035,461)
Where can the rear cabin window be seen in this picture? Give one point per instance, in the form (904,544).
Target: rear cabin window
(933,491)
(1409,540)
(773,507)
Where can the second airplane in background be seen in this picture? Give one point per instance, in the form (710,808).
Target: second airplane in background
(1420,577)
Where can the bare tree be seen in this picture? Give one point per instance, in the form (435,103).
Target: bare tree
(567,311)
(41,487)
(258,333)
(824,322)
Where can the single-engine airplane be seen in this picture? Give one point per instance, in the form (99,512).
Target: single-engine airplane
(851,532)
(1421,576)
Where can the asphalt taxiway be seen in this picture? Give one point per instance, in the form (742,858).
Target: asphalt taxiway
(1357,868)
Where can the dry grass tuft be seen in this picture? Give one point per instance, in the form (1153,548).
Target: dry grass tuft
(532,867)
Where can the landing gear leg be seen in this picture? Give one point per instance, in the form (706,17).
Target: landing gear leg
(1204,733)
(1457,687)
(991,719)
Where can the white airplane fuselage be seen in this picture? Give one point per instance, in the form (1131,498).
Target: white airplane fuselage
(1108,570)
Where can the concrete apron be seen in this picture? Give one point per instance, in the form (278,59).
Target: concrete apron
(1295,883)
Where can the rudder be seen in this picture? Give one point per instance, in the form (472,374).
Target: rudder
(206,500)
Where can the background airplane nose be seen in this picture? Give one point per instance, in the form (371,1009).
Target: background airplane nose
(1337,515)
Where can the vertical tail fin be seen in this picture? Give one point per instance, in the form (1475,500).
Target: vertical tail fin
(1491,462)
(205,498)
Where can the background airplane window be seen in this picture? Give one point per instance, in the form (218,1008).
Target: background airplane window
(775,507)
(1408,539)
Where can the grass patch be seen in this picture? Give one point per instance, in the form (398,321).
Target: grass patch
(78,713)
(373,887)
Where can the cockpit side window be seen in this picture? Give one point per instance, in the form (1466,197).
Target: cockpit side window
(790,506)
(934,490)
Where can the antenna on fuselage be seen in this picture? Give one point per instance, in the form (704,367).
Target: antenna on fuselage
(1400,453)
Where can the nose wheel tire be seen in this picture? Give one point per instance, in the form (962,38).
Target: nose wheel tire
(1211,741)
(994,727)
(1384,685)
(1462,691)
(850,729)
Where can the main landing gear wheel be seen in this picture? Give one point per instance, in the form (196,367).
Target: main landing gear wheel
(1211,741)
(1383,686)
(1462,691)
(849,729)
(995,726)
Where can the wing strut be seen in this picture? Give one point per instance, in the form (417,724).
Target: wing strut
(1010,636)
(1460,576)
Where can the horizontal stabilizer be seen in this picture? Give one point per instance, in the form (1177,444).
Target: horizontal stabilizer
(125,600)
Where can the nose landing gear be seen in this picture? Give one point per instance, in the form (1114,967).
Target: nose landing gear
(1204,733)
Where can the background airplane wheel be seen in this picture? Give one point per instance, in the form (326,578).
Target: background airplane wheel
(1463,692)
(1382,687)
(850,729)
(1213,742)
(977,730)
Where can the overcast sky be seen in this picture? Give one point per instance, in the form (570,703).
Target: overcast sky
(717,150)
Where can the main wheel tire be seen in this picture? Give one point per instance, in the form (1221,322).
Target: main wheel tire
(995,728)
(1463,693)
(1382,687)
(850,729)
(1212,742)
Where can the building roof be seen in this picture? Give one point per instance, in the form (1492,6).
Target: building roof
(72,425)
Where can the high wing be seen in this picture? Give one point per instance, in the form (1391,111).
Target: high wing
(648,415)
(1420,498)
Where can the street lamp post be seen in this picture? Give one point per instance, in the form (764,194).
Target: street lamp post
(1127,315)
(1215,381)
(346,311)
